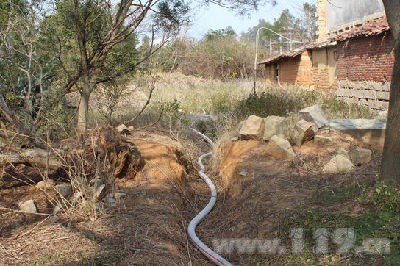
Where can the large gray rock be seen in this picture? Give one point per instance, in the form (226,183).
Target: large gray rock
(64,189)
(360,156)
(28,206)
(314,114)
(252,128)
(280,148)
(304,131)
(339,164)
(274,125)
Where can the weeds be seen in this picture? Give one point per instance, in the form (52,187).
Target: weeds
(231,102)
(379,218)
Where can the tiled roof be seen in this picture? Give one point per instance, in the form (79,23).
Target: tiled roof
(299,51)
(289,54)
(369,28)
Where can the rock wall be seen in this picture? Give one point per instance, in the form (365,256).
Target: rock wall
(374,95)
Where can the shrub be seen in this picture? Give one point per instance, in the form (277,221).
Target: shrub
(280,103)
(56,118)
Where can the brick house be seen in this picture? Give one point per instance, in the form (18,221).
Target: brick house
(353,54)
(312,66)
(364,64)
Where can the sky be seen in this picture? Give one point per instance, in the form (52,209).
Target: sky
(215,17)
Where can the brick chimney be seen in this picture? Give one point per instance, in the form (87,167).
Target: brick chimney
(322,30)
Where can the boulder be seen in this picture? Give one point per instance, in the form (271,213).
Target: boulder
(44,184)
(28,206)
(252,128)
(338,164)
(64,189)
(360,156)
(280,148)
(319,139)
(314,114)
(274,125)
(304,131)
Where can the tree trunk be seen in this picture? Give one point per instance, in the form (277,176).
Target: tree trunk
(390,170)
(83,110)
(391,153)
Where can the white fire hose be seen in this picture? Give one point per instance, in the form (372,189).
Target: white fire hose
(209,253)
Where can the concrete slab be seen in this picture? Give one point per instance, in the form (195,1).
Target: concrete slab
(368,131)
(361,124)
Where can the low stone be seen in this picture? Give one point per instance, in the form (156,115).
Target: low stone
(243,173)
(121,128)
(131,128)
(361,156)
(280,148)
(304,131)
(28,206)
(64,189)
(318,139)
(274,125)
(252,128)
(314,114)
(45,184)
(338,164)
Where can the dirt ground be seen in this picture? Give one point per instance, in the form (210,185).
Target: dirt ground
(149,226)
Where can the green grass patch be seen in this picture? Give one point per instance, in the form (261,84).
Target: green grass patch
(379,217)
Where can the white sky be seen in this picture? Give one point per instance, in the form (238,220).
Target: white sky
(215,17)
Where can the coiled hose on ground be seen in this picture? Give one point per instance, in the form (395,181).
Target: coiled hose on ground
(209,253)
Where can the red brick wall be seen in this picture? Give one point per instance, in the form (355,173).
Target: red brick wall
(365,58)
(270,73)
(296,71)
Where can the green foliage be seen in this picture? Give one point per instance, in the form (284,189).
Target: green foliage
(329,197)
(171,14)
(331,209)
(335,108)
(219,55)
(56,118)
(212,35)
(387,197)
(275,103)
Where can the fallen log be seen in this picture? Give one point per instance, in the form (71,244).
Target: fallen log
(34,156)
